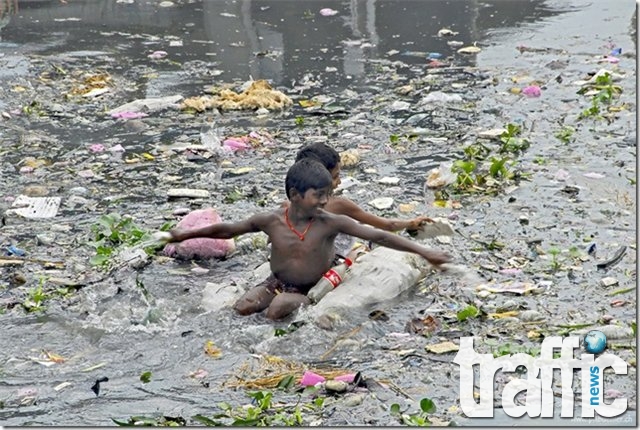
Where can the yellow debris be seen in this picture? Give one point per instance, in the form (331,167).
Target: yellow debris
(258,95)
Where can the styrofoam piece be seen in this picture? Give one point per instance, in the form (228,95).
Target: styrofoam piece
(35,207)
(439,227)
(188,192)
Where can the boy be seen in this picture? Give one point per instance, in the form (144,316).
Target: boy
(330,158)
(302,237)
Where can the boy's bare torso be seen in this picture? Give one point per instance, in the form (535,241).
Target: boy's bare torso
(300,262)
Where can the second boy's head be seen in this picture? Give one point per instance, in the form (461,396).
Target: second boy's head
(305,175)
(326,155)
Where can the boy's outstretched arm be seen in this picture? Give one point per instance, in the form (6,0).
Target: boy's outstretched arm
(223,230)
(343,206)
(389,240)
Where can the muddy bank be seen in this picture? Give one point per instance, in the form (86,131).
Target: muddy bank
(575,188)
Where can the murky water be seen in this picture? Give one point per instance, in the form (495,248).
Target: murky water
(152,320)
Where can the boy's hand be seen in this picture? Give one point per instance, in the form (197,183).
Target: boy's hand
(437,257)
(162,237)
(416,223)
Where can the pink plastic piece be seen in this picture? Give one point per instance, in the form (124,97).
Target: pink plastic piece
(200,247)
(348,378)
(309,379)
(532,91)
(236,143)
(129,115)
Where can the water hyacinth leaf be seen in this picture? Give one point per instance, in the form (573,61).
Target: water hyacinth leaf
(394,408)
(225,406)
(427,406)
(286,382)
(468,312)
(206,421)
(145,377)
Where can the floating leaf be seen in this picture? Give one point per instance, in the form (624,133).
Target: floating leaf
(286,382)
(145,377)
(468,312)
(427,406)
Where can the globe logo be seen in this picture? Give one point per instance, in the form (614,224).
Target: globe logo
(595,342)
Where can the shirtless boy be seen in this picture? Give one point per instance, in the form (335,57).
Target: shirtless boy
(302,237)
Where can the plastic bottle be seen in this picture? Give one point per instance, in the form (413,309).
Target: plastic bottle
(329,281)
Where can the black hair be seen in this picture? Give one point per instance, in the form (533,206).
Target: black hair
(319,151)
(306,174)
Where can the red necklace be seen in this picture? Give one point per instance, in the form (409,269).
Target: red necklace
(300,235)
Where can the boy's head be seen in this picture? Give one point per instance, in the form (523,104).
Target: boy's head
(304,175)
(326,155)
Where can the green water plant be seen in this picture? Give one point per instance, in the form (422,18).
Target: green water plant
(417,419)
(510,140)
(565,134)
(262,411)
(113,232)
(36,297)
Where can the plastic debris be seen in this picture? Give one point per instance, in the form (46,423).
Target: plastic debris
(493,133)
(613,260)
(188,193)
(328,12)
(469,50)
(200,247)
(212,350)
(148,105)
(96,386)
(532,91)
(446,32)
(12,250)
(594,175)
(514,287)
(35,207)
(441,176)
(382,203)
(439,96)
(443,347)
(428,230)
(217,296)
(129,115)
(310,379)
(236,143)
(561,175)
(156,55)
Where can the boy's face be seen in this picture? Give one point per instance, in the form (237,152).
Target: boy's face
(313,199)
(335,176)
